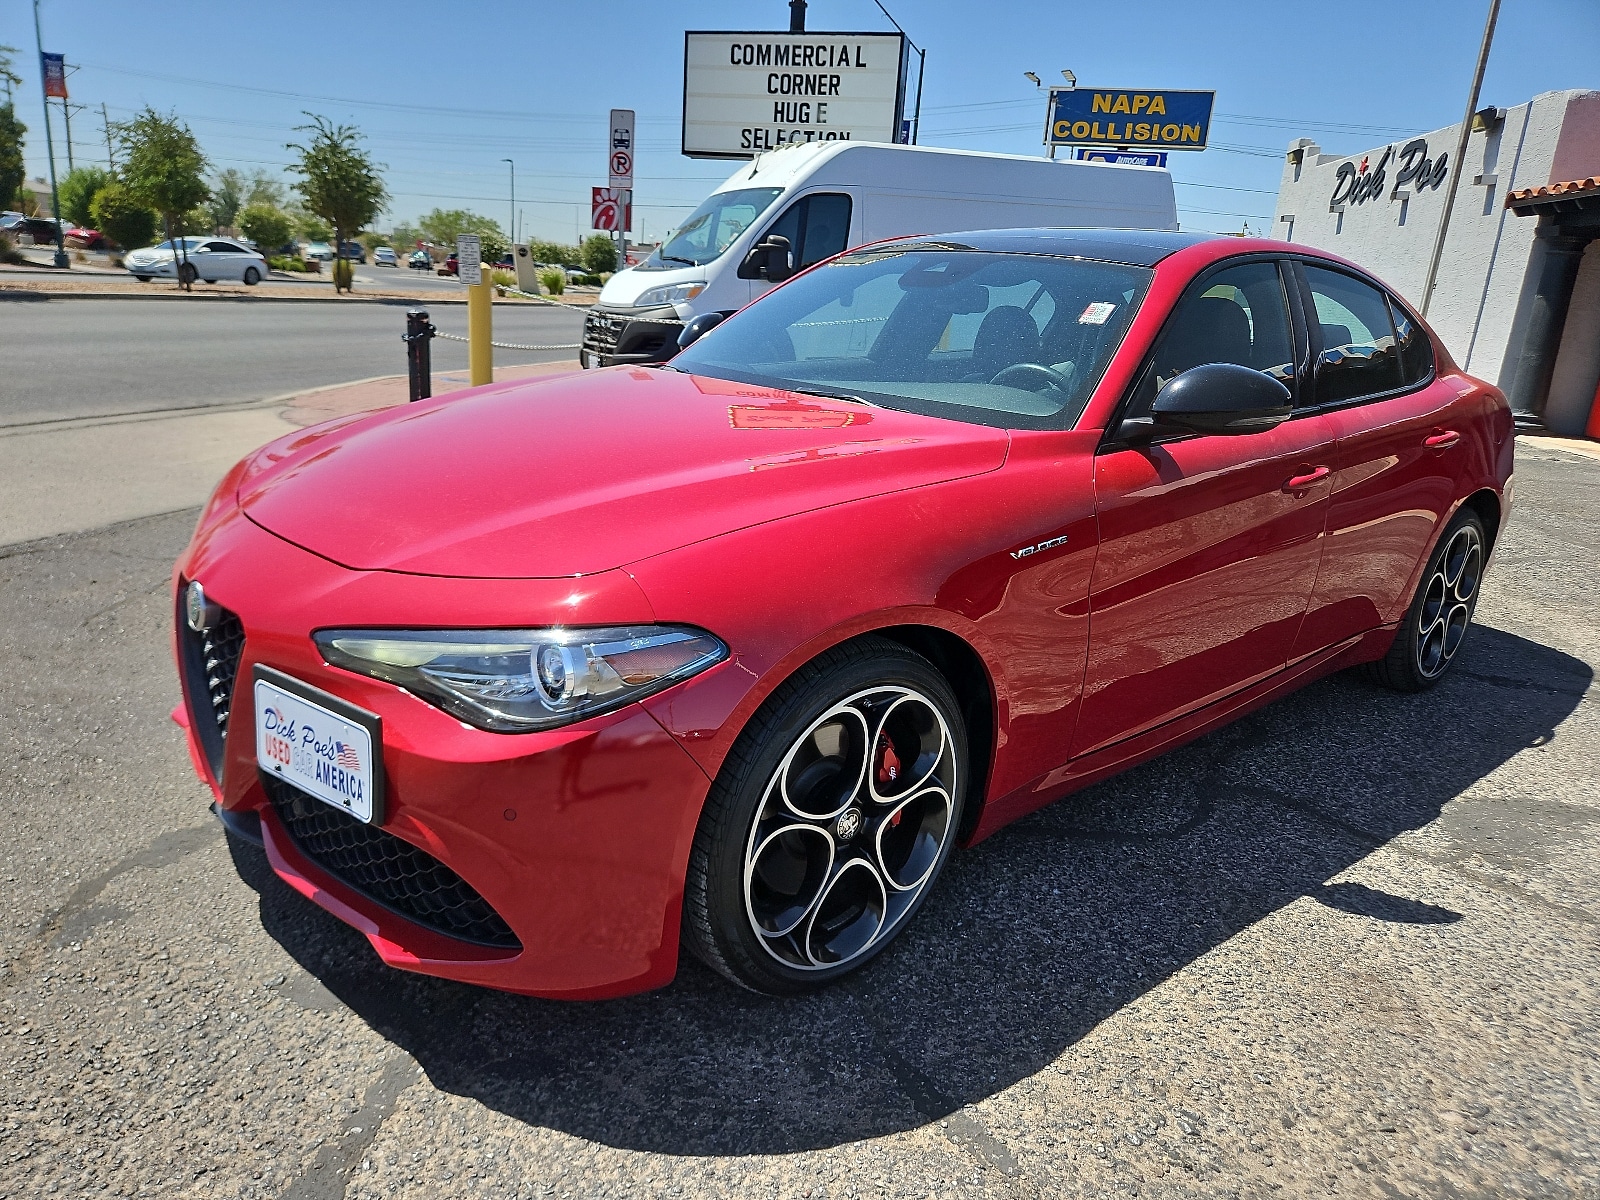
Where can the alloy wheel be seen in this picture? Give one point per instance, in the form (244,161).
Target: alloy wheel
(1448,598)
(850,828)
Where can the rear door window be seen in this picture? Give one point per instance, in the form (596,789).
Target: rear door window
(1416,351)
(1359,354)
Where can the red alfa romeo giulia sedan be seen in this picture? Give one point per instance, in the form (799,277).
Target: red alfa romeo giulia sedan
(532,683)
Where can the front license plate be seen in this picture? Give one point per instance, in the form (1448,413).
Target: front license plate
(320,744)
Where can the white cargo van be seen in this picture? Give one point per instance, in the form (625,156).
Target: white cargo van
(807,202)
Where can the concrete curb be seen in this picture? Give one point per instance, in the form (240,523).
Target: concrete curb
(31,293)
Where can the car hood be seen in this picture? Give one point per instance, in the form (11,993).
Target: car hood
(586,473)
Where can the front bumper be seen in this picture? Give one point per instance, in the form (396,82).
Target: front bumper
(613,336)
(577,838)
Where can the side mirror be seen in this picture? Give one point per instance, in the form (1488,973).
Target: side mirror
(1222,398)
(769,259)
(696,328)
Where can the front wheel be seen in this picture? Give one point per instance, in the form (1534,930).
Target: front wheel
(1436,624)
(829,822)
(251,277)
(142,278)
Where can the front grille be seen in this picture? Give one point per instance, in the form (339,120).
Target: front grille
(386,869)
(210,669)
(600,332)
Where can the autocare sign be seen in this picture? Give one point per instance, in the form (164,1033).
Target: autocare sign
(1125,158)
(610,209)
(619,148)
(747,93)
(1134,118)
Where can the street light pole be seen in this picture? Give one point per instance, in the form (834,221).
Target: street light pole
(512,229)
(61,259)
(1458,167)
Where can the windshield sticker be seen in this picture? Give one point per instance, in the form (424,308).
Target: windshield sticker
(1097,313)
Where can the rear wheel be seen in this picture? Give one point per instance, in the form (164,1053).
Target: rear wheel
(142,278)
(1436,624)
(251,277)
(829,822)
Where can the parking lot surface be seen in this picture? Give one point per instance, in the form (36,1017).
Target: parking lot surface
(1347,946)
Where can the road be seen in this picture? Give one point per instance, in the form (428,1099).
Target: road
(78,357)
(1348,946)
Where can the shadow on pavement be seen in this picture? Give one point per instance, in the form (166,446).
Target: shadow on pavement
(1032,938)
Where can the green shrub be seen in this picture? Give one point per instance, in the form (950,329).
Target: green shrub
(344,274)
(121,218)
(554,281)
(590,280)
(269,228)
(501,278)
(286,262)
(9,253)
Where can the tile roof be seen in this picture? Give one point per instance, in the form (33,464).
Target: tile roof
(1570,190)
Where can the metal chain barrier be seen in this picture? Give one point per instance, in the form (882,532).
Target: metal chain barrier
(512,345)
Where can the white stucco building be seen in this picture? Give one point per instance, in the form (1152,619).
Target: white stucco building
(1518,294)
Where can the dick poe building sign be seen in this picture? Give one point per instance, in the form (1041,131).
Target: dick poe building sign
(747,93)
(1128,118)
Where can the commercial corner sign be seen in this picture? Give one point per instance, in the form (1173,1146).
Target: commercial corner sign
(619,148)
(610,209)
(747,93)
(469,258)
(54,69)
(1129,118)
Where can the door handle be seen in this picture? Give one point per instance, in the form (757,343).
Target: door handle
(1442,441)
(1300,483)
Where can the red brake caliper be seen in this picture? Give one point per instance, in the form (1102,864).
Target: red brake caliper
(888,767)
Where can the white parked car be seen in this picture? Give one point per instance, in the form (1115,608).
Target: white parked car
(209,259)
(383,256)
(319,250)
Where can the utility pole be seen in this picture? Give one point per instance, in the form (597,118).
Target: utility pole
(66,116)
(512,228)
(105,120)
(61,259)
(1457,168)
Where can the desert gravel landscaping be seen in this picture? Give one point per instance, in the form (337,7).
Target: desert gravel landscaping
(1347,946)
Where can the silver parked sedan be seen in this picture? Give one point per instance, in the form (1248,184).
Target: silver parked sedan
(209,259)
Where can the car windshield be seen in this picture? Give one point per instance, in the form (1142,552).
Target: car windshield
(188,243)
(1009,340)
(711,228)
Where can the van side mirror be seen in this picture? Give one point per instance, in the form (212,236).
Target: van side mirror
(770,258)
(696,328)
(1222,398)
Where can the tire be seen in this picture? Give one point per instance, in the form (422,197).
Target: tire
(187,273)
(1436,623)
(211,281)
(251,277)
(804,866)
(142,278)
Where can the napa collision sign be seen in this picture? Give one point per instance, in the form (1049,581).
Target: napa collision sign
(747,93)
(1128,118)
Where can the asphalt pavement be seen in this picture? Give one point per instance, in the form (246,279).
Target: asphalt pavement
(73,357)
(1348,946)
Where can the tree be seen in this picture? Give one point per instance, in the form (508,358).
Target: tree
(78,189)
(599,254)
(227,198)
(121,218)
(443,225)
(269,228)
(555,252)
(162,167)
(309,226)
(12,172)
(340,183)
(404,237)
(262,188)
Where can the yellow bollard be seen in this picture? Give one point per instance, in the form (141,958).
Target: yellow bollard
(480,332)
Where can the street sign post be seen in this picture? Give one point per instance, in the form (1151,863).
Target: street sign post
(1128,118)
(621,148)
(469,258)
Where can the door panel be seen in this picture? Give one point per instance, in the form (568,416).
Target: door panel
(1206,566)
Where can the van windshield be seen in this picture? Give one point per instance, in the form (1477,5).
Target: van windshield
(1016,341)
(712,228)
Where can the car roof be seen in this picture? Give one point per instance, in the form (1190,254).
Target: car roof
(1134,247)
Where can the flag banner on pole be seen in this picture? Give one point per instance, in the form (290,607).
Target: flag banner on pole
(54,67)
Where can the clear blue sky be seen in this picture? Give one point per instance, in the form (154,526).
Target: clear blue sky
(445,91)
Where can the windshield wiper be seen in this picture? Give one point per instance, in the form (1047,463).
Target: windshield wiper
(688,262)
(826,395)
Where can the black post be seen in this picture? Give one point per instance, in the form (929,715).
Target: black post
(419,355)
(1530,385)
(797,16)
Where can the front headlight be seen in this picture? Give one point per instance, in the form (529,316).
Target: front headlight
(522,680)
(672,293)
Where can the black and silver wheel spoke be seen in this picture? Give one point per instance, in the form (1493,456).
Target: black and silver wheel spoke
(850,829)
(1447,601)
